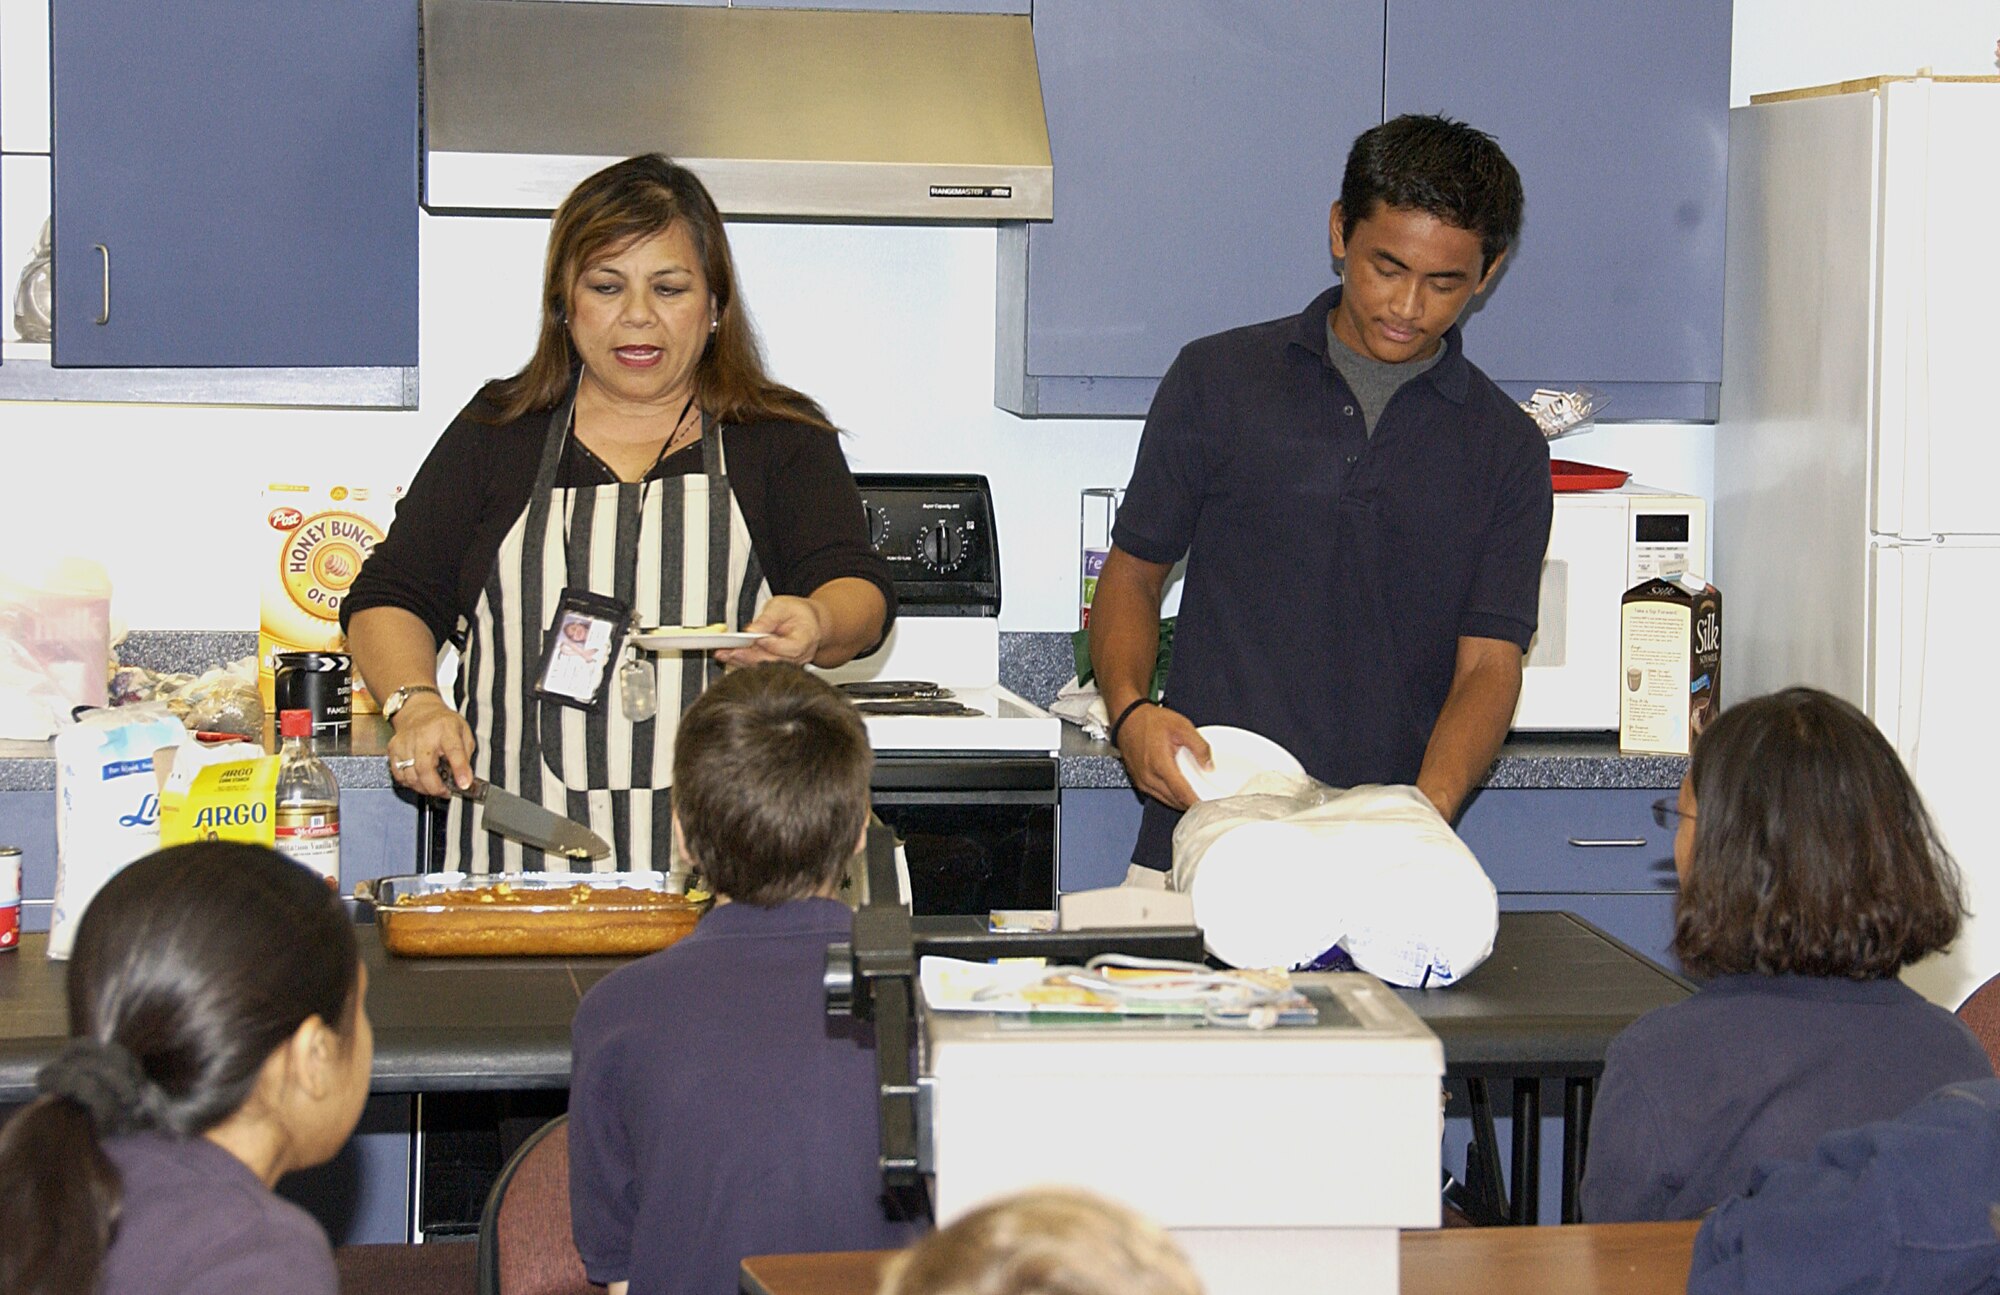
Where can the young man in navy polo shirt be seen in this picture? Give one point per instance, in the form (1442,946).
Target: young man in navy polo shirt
(715,1111)
(1363,513)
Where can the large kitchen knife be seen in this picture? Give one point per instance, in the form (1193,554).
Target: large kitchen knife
(508,815)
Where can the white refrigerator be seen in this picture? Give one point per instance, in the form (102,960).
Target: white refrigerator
(1857,520)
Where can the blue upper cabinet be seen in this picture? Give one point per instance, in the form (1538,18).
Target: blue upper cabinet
(1198,145)
(235,184)
(1616,112)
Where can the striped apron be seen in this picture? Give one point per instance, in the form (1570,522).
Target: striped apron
(678,551)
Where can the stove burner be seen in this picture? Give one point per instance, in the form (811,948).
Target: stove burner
(895,690)
(917,706)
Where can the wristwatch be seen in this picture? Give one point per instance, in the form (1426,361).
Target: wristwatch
(400,698)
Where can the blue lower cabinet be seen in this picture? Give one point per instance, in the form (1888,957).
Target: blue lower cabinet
(362,1195)
(378,838)
(1099,826)
(1597,854)
(28,824)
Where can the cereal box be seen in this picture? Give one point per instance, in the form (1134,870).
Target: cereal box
(319,537)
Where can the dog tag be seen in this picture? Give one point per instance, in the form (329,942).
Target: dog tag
(638,697)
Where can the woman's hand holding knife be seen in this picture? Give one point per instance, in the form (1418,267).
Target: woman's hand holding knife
(431,741)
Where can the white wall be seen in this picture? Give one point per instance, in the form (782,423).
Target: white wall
(890,326)
(1788,44)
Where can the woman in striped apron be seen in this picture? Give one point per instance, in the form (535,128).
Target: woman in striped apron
(640,470)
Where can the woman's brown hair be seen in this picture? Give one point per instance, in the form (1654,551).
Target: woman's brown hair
(191,967)
(1813,853)
(625,202)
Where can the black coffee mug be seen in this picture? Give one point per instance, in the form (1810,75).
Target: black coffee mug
(318,682)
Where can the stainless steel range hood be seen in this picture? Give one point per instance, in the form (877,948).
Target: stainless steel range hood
(782,112)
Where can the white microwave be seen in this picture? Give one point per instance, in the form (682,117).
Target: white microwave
(1602,543)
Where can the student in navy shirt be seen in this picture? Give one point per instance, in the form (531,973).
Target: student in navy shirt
(716,1112)
(221,1040)
(1363,513)
(1810,875)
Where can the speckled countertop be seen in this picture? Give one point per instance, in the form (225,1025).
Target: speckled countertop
(356,760)
(1036,665)
(1548,761)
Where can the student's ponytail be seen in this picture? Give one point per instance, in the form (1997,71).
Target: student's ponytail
(191,967)
(57,1217)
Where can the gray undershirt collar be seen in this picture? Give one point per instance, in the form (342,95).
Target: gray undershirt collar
(1373,381)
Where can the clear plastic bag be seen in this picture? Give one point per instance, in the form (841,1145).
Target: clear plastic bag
(1283,873)
(34,295)
(1564,413)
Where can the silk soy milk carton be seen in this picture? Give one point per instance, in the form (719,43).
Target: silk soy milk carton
(320,536)
(1671,658)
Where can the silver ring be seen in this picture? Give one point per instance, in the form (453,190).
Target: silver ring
(402,764)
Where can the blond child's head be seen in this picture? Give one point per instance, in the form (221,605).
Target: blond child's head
(1047,1242)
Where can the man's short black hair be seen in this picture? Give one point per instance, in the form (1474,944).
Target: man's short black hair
(1435,165)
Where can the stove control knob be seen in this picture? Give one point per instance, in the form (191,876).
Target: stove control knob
(941,546)
(878,525)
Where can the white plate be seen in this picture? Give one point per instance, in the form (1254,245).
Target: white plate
(1238,755)
(671,638)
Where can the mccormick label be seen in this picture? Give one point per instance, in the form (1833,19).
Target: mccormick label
(310,834)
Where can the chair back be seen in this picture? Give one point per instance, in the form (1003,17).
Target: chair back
(525,1244)
(1981,1014)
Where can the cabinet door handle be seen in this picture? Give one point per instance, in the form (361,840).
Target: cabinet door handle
(1618,842)
(105,252)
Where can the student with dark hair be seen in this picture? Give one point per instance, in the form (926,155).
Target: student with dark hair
(220,1040)
(1363,513)
(715,1111)
(1810,875)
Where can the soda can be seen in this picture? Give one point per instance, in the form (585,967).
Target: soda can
(10,898)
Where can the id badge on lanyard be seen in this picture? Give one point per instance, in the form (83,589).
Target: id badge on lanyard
(586,634)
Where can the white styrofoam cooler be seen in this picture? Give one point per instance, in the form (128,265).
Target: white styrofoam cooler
(1283,1159)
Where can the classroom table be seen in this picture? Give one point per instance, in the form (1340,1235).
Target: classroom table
(1584,1259)
(1544,1006)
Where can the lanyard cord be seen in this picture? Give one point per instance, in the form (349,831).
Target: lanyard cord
(645,482)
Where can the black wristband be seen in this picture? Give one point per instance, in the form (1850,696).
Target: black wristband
(1126,714)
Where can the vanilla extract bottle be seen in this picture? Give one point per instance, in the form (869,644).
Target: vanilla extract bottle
(308,818)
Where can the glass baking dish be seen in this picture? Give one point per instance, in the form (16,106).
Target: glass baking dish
(531,914)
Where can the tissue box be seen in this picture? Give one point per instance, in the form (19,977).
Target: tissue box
(1671,659)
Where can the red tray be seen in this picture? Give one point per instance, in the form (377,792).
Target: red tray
(1567,474)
